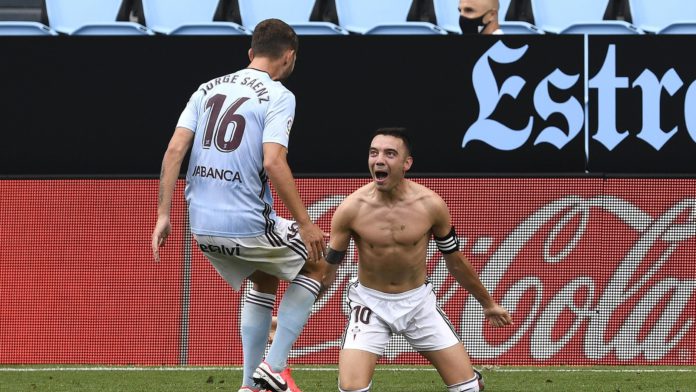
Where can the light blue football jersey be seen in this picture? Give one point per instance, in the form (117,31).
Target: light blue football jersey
(227,189)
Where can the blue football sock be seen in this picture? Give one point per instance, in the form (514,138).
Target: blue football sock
(255,326)
(293,313)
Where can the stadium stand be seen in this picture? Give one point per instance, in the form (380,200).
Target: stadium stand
(664,16)
(339,17)
(25,28)
(296,13)
(23,17)
(618,10)
(188,17)
(90,17)
(509,24)
(381,17)
(578,17)
(20,10)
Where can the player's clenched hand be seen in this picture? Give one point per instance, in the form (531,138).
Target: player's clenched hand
(160,234)
(313,238)
(497,316)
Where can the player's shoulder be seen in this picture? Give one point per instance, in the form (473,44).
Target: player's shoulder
(426,195)
(279,95)
(362,194)
(353,202)
(282,92)
(354,199)
(421,190)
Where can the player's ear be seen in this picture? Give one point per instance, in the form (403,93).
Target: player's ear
(408,163)
(287,58)
(251,54)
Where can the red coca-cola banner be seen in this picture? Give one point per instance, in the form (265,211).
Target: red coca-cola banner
(594,271)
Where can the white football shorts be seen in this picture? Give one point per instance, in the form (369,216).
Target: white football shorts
(375,316)
(280,253)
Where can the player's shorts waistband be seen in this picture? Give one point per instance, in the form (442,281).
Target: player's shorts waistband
(418,291)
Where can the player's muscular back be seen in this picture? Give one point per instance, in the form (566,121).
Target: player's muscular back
(392,241)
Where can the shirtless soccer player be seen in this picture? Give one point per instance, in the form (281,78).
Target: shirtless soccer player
(391,221)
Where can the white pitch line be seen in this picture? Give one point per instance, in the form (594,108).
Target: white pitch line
(310,369)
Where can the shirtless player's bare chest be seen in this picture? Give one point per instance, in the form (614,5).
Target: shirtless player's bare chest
(392,241)
(403,225)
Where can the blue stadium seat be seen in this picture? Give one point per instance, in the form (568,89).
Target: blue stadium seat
(664,16)
(447,15)
(381,17)
(90,17)
(519,27)
(577,17)
(679,28)
(25,28)
(295,13)
(514,26)
(448,18)
(187,17)
(607,27)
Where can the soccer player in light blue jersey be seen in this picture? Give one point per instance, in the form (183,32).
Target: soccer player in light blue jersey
(237,128)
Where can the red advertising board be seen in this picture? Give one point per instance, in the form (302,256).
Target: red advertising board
(77,282)
(594,271)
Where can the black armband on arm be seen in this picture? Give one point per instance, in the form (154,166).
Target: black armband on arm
(334,256)
(449,243)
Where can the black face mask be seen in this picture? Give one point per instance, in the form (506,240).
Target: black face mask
(471,26)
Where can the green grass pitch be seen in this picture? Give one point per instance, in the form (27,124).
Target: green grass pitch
(72,378)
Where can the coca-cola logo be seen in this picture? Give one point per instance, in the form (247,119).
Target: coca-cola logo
(637,312)
(601,302)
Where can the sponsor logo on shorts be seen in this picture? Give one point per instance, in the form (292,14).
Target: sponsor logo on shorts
(221,249)
(293,229)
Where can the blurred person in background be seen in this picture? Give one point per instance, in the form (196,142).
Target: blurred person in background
(479,16)
(237,128)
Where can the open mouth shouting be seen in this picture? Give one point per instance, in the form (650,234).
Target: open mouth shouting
(381,176)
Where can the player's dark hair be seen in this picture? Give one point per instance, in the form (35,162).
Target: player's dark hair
(272,37)
(397,132)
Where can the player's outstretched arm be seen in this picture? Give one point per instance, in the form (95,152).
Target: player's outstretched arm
(338,244)
(460,267)
(462,270)
(340,231)
(276,165)
(179,145)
